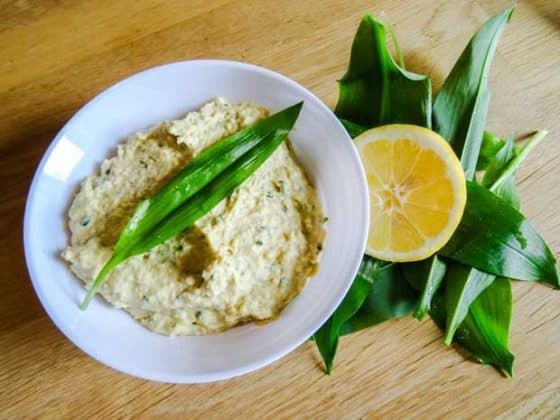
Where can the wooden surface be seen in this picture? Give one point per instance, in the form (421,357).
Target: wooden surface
(55,55)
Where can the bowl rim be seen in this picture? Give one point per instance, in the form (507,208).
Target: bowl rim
(197,378)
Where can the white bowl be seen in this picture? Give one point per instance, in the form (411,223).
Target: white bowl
(112,336)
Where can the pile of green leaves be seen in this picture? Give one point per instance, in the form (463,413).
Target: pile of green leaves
(466,287)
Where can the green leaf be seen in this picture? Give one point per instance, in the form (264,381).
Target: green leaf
(487,347)
(426,277)
(518,156)
(212,161)
(490,345)
(462,286)
(461,122)
(211,195)
(498,162)
(499,176)
(485,330)
(353,129)
(327,336)
(491,144)
(460,107)
(494,237)
(378,293)
(186,198)
(390,297)
(375,90)
(508,191)
(459,115)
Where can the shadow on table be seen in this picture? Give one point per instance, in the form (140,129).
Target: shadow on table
(548,10)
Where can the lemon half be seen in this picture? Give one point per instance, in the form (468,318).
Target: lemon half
(417,191)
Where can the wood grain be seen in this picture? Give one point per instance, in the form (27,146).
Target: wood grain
(56,55)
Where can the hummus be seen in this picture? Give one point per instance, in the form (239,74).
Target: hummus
(244,260)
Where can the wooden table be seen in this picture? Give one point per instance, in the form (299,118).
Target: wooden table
(56,55)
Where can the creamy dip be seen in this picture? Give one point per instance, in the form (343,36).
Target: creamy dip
(245,260)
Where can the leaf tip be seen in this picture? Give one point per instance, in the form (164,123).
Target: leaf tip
(419,314)
(507,369)
(508,11)
(87,299)
(328,361)
(295,109)
(448,339)
(553,279)
(368,18)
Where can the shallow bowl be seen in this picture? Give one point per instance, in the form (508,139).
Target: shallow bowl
(110,335)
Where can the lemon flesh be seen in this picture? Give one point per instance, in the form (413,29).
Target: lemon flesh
(417,191)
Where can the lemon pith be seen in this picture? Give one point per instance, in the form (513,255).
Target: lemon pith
(417,191)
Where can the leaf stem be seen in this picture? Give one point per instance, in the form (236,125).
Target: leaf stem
(115,260)
(535,139)
(393,34)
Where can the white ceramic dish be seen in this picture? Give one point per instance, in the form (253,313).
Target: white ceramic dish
(112,336)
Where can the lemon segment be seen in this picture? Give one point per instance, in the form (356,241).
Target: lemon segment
(417,191)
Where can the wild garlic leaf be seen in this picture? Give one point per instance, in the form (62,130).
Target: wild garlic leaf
(462,287)
(390,296)
(498,162)
(375,90)
(327,336)
(495,237)
(500,176)
(426,277)
(459,115)
(353,129)
(485,330)
(200,186)
(501,167)
(491,144)
(460,107)
(508,191)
